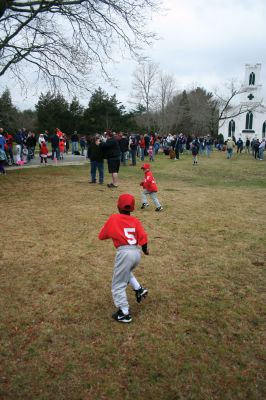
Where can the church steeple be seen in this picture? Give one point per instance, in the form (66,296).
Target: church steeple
(251,86)
(247,118)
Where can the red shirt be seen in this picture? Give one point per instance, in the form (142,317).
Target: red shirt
(59,133)
(61,146)
(149,182)
(43,149)
(9,139)
(124,230)
(142,143)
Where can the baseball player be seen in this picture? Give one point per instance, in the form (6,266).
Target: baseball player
(127,234)
(149,188)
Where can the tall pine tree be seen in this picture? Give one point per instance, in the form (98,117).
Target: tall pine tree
(8,112)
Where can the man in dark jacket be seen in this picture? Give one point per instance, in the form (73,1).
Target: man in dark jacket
(75,142)
(133,146)
(112,153)
(30,144)
(55,146)
(123,144)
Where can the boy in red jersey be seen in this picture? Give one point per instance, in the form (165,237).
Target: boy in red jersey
(149,188)
(127,234)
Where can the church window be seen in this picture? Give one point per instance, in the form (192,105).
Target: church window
(264,130)
(252,79)
(249,120)
(231,128)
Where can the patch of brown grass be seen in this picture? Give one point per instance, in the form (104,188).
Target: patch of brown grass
(200,334)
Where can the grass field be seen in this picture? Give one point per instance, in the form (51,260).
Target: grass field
(200,334)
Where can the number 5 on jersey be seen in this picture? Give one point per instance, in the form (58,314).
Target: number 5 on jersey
(129,234)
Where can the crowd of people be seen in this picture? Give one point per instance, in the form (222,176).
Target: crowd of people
(254,146)
(116,147)
(21,147)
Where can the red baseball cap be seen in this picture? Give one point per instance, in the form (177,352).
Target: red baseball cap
(126,202)
(146,166)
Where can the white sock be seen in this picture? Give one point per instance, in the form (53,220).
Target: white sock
(134,283)
(125,311)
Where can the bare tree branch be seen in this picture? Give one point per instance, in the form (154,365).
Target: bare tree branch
(224,103)
(145,77)
(66,40)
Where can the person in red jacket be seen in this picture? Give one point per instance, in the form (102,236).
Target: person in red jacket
(149,188)
(127,234)
(61,146)
(43,152)
(142,147)
(9,149)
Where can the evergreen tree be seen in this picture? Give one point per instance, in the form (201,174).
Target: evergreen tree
(103,112)
(201,105)
(75,116)
(193,113)
(52,112)
(8,112)
(184,122)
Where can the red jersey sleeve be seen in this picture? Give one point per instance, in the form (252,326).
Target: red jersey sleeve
(104,232)
(124,230)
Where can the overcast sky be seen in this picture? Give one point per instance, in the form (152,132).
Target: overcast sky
(203,43)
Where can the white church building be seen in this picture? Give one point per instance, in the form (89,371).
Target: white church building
(251,123)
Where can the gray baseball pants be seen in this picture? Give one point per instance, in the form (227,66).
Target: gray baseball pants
(153,195)
(127,258)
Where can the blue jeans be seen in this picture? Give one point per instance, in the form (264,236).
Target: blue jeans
(261,154)
(124,157)
(133,156)
(10,152)
(75,147)
(208,150)
(156,147)
(55,153)
(229,153)
(94,166)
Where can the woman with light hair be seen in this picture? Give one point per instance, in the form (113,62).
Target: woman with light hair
(230,147)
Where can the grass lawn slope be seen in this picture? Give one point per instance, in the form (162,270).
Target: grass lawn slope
(200,333)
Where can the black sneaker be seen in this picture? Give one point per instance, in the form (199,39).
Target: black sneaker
(141,293)
(121,317)
(144,205)
(159,209)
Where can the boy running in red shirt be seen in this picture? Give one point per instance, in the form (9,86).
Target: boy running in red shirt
(149,188)
(127,234)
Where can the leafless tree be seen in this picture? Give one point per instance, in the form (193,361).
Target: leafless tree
(166,87)
(224,103)
(69,41)
(144,85)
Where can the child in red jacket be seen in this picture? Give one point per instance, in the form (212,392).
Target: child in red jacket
(43,152)
(149,188)
(127,234)
(61,146)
